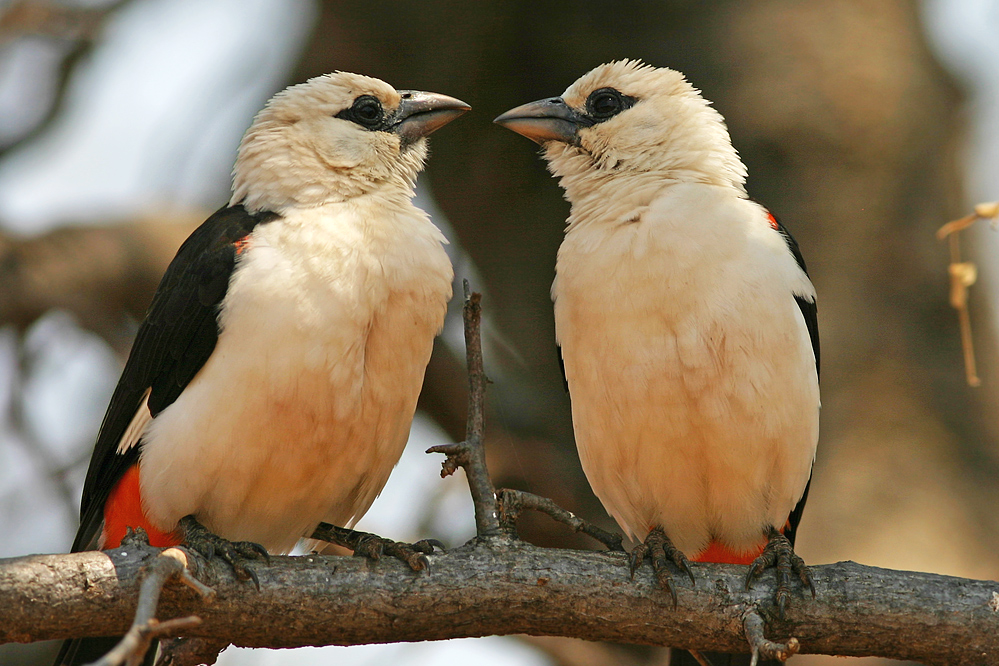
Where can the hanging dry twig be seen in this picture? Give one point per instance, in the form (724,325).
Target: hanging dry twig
(963,274)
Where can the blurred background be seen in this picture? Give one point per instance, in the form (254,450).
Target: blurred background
(865,124)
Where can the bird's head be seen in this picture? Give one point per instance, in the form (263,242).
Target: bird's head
(626,118)
(335,137)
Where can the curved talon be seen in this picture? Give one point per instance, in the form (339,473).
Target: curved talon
(259,550)
(424,563)
(684,565)
(660,549)
(779,553)
(636,557)
(431,543)
(235,553)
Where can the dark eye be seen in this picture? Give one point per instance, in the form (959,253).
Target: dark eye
(606,103)
(366,111)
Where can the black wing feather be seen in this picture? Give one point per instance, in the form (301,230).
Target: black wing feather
(174,341)
(810,313)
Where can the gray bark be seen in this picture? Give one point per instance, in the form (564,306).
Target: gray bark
(503,586)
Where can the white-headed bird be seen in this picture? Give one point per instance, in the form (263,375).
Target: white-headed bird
(274,379)
(686,321)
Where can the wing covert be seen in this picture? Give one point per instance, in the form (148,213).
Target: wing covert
(174,341)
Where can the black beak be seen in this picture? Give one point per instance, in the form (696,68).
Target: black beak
(421,113)
(545,120)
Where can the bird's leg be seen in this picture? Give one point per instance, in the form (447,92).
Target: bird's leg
(780,554)
(373,546)
(658,548)
(236,553)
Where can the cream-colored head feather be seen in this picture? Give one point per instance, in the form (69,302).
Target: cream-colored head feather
(298,152)
(669,131)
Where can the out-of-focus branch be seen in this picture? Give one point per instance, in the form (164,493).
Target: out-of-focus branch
(78,26)
(963,274)
(53,19)
(96,273)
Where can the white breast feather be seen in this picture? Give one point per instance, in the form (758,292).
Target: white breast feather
(304,407)
(691,373)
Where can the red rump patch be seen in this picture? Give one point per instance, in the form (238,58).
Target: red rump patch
(242,244)
(773,221)
(716,552)
(124,509)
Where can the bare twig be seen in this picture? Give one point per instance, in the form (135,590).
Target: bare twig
(78,27)
(170,563)
(963,274)
(470,454)
(512,502)
(753,625)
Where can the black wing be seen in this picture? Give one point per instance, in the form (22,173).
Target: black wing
(174,341)
(810,312)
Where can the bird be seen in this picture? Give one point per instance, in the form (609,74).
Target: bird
(686,325)
(274,379)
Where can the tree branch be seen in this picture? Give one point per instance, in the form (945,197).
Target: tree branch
(471,453)
(502,586)
(495,584)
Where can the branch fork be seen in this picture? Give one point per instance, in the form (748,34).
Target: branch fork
(169,564)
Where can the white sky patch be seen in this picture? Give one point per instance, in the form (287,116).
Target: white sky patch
(489,651)
(72,376)
(27,84)
(155,115)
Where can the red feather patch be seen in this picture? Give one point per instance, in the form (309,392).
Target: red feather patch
(716,552)
(124,509)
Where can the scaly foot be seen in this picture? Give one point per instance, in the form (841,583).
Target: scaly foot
(658,547)
(236,553)
(373,546)
(780,554)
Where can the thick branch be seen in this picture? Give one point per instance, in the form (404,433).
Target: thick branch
(501,586)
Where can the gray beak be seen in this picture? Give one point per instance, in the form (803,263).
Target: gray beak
(545,120)
(421,113)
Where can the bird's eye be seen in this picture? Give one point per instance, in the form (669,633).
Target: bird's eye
(366,111)
(605,103)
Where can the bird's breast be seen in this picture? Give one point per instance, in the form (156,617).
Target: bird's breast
(693,384)
(303,408)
